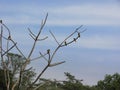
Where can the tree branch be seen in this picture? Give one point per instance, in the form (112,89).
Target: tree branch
(54,37)
(36,38)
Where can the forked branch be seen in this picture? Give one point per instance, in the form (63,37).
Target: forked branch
(48,56)
(60,45)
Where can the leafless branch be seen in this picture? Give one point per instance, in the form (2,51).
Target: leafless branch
(55,64)
(40,75)
(64,41)
(18,48)
(54,37)
(9,49)
(6,28)
(83,31)
(48,56)
(37,58)
(52,56)
(31,33)
(44,57)
(43,38)
(36,38)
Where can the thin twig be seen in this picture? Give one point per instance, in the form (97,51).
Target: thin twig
(32,37)
(38,57)
(61,44)
(6,28)
(43,38)
(18,48)
(31,32)
(36,38)
(67,43)
(54,37)
(55,64)
(43,57)
(40,74)
(83,31)
(9,49)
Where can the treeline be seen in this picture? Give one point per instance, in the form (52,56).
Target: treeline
(110,82)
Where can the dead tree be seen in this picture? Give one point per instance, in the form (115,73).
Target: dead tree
(48,56)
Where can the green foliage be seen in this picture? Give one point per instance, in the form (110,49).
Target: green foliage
(111,82)
(72,83)
(15,63)
(27,79)
(2,79)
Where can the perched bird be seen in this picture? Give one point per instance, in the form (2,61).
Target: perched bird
(48,51)
(0,21)
(65,43)
(78,34)
(74,39)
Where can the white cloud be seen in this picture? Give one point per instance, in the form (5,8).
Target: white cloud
(100,42)
(88,14)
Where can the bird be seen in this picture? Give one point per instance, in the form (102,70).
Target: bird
(0,21)
(78,34)
(74,39)
(65,43)
(48,51)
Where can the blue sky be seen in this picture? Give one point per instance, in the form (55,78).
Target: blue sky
(96,53)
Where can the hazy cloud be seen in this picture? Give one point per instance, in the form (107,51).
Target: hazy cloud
(88,14)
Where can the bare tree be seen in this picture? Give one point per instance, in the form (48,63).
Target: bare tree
(48,56)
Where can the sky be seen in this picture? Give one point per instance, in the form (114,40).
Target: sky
(94,55)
